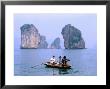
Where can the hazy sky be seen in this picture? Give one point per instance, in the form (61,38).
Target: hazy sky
(50,25)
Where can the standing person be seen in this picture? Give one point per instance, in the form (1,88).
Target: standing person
(52,60)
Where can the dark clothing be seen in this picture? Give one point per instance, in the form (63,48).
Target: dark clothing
(64,62)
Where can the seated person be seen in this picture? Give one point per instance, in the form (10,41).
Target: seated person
(60,61)
(52,60)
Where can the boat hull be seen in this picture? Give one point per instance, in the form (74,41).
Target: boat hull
(58,66)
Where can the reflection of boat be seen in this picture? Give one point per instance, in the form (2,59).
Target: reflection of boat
(63,71)
(57,65)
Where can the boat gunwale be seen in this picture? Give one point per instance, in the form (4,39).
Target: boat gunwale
(57,66)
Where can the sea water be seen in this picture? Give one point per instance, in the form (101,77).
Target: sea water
(30,62)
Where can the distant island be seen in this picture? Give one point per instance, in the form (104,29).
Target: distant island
(31,38)
(56,43)
(72,37)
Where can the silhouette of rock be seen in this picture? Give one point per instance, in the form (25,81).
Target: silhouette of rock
(56,43)
(43,42)
(72,37)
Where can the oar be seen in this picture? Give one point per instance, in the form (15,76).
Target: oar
(36,65)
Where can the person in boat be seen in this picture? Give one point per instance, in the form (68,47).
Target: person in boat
(52,60)
(64,61)
(60,60)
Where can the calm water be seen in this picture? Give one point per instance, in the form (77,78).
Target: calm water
(28,62)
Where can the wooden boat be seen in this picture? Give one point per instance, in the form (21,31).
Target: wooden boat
(57,65)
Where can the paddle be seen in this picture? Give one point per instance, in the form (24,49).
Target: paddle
(36,65)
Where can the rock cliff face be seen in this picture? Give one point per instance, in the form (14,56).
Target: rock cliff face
(56,43)
(30,38)
(43,42)
(72,37)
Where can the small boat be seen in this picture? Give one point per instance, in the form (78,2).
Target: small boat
(57,65)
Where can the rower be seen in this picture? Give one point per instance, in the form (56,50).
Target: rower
(64,61)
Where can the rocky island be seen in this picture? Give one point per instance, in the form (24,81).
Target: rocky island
(43,42)
(72,37)
(31,38)
(56,43)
